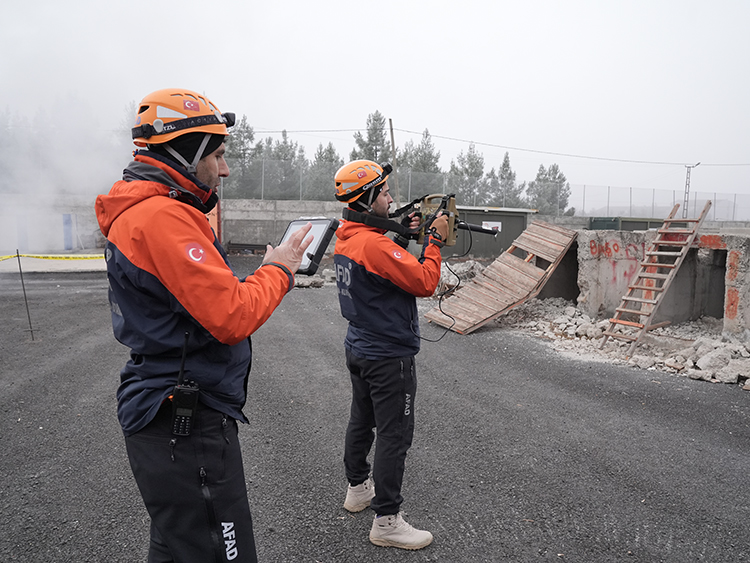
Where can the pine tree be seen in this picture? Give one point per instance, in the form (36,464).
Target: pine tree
(466,178)
(239,157)
(510,194)
(550,191)
(425,157)
(319,184)
(375,146)
(419,169)
(284,165)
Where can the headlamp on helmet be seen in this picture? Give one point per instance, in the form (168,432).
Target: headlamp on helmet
(166,114)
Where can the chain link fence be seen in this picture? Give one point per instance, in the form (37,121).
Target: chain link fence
(286,180)
(606,201)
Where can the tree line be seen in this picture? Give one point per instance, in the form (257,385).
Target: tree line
(38,157)
(279,169)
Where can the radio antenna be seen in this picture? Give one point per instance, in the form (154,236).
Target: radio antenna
(181,375)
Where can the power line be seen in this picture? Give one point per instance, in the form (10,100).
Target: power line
(467,141)
(507,147)
(629,161)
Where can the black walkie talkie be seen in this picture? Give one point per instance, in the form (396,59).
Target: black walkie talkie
(184,399)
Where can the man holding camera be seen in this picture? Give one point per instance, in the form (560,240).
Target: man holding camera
(186,316)
(378,282)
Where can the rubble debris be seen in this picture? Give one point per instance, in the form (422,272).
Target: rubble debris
(455,273)
(309,281)
(695,349)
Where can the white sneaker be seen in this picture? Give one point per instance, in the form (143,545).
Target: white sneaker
(358,498)
(394,531)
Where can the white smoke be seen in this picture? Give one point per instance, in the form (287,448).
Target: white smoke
(52,167)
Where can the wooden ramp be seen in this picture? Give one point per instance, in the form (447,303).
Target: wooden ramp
(647,288)
(507,282)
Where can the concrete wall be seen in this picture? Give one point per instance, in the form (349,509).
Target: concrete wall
(54,223)
(596,272)
(253,221)
(737,288)
(247,221)
(712,281)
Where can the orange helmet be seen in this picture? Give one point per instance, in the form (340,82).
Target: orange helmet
(166,114)
(355,179)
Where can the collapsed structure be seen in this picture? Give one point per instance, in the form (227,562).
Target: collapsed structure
(626,284)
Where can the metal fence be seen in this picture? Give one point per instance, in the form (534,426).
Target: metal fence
(605,201)
(283,180)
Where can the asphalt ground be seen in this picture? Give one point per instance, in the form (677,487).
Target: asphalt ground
(520,454)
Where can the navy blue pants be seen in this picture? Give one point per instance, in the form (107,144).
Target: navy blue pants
(194,490)
(383,394)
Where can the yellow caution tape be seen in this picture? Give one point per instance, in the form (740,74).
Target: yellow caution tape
(55,256)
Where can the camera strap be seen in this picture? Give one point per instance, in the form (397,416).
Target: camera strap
(378,222)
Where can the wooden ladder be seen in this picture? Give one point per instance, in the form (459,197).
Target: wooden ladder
(651,282)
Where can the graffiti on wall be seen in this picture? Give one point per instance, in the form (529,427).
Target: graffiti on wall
(732,300)
(714,242)
(624,258)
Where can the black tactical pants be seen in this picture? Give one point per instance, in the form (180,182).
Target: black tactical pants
(194,490)
(383,394)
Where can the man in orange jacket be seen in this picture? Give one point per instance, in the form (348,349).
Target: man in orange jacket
(186,317)
(378,282)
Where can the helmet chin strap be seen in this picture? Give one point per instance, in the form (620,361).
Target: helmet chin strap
(191,168)
(363,206)
(371,196)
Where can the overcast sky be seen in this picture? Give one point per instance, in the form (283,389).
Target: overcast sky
(626,84)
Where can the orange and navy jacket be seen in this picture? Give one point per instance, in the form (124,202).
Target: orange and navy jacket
(378,282)
(169,275)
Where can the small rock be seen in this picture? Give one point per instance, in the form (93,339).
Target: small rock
(584,329)
(308,281)
(688,353)
(727,375)
(674,364)
(702,341)
(734,370)
(714,360)
(704,349)
(695,374)
(643,362)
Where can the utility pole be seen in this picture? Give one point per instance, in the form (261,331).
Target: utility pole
(395,169)
(686,201)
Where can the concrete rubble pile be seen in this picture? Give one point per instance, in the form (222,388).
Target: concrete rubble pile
(696,349)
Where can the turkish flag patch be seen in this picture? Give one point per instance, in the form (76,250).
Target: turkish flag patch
(195,252)
(191,105)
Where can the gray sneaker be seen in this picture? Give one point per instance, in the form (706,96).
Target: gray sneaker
(358,498)
(394,531)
